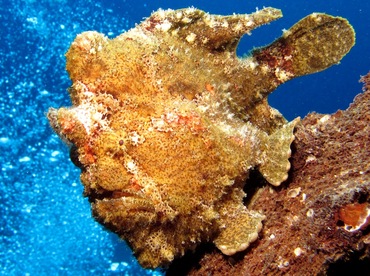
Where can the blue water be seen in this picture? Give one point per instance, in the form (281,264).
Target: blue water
(45,224)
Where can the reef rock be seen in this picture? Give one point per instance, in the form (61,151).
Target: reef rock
(318,221)
(167,122)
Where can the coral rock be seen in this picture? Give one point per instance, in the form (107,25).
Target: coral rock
(167,122)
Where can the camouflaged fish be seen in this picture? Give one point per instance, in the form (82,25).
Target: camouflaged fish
(167,122)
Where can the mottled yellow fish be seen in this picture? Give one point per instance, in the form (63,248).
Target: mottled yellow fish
(167,122)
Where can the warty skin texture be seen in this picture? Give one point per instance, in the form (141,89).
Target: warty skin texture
(167,122)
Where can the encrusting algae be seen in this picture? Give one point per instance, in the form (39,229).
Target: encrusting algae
(167,122)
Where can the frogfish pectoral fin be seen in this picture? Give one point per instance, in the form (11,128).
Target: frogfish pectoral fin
(276,164)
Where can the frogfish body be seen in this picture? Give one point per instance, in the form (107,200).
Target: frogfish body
(167,122)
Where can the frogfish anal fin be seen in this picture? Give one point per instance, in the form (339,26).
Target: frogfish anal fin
(240,228)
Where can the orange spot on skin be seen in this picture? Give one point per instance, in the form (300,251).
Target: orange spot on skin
(210,88)
(67,126)
(88,157)
(134,183)
(193,121)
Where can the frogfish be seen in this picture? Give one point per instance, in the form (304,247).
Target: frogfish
(167,122)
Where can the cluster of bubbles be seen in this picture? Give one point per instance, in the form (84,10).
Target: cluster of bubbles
(45,223)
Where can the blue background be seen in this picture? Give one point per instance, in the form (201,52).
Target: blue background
(45,224)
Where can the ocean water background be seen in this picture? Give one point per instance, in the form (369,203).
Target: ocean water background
(45,223)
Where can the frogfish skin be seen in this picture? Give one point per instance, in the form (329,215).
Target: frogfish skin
(167,122)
